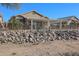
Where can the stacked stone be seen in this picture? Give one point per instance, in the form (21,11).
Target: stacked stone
(24,36)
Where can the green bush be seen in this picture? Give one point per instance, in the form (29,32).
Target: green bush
(16,24)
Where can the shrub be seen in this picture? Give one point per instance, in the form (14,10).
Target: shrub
(13,53)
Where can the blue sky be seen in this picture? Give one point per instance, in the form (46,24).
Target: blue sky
(51,10)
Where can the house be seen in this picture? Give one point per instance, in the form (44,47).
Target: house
(65,22)
(33,20)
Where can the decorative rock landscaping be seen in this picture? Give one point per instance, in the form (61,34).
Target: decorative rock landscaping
(25,36)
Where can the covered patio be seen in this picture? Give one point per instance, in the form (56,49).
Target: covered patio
(33,20)
(64,24)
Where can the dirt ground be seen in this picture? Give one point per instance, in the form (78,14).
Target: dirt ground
(52,48)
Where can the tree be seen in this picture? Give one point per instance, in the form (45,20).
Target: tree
(73,24)
(64,24)
(11,5)
(15,24)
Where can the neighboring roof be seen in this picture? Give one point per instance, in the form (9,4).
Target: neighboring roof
(69,18)
(34,15)
(57,21)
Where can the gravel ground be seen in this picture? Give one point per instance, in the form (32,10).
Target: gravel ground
(53,48)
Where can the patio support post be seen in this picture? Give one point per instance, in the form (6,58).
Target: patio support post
(31,25)
(35,25)
(60,24)
(48,24)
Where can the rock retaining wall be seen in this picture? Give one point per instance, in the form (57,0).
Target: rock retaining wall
(24,36)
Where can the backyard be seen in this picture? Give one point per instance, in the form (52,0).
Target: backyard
(43,49)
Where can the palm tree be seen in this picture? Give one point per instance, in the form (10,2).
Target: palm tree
(11,5)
